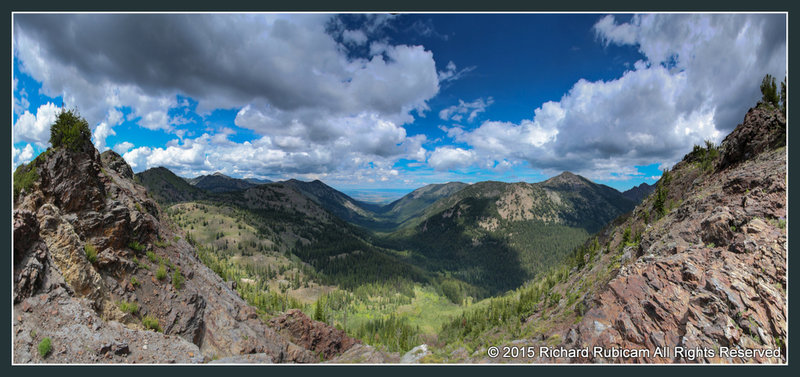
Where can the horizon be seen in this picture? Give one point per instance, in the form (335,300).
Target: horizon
(372,102)
(373,195)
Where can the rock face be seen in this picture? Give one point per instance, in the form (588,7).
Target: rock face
(315,336)
(712,272)
(88,243)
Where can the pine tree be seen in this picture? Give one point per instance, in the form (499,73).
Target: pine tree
(318,313)
(769,91)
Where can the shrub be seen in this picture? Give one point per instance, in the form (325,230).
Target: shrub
(769,91)
(626,235)
(152,256)
(452,291)
(151,323)
(136,246)
(783,96)
(71,131)
(45,346)
(129,307)
(661,193)
(135,282)
(24,177)
(91,252)
(161,273)
(177,279)
(554,298)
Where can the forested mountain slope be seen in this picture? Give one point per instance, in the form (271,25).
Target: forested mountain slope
(219,182)
(700,263)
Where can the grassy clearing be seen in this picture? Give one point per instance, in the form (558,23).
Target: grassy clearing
(241,253)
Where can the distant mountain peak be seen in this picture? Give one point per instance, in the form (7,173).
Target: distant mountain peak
(569,178)
(637,193)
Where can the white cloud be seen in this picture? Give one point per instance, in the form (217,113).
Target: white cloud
(451,72)
(22,156)
(100,133)
(19,99)
(449,158)
(31,128)
(123,147)
(471,109)
(336,163)
(293,83)
(724,56)
(355,37)
(701,74)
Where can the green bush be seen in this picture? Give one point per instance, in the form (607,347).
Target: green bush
(452,291)
(152,257)
(24,177)
(91,252)
(135,282)
(45,346)
(769,91)
(71,131)
(661,193)
(177,279)
(151,323)
(136,246)
(705,157)
(161,273)
(129,307)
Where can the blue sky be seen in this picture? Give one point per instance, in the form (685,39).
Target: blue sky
(377,101)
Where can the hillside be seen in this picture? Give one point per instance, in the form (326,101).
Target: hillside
(496,235)
(339,204)
(219,182)
(166,187)
(287,220)
(711,271)
(414,203)
(638,193)
(101,276)
(701,263)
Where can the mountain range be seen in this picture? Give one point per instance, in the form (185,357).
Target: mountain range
(161,269)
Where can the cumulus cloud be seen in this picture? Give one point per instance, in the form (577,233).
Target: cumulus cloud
(700,74)
(275,58)
(724,56)
(30,128)
(123,147)
(21,156)
(292,82)
(20,99)
(263,157)
(100,133)
(450,158)
(356,37)
(470,109)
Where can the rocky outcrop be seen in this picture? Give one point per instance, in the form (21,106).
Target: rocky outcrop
(33,271)
(365,354)
(316,336)
(763,129)
(96,269)
(116,163)
(712,272)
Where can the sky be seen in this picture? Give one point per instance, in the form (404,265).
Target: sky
(394,101)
